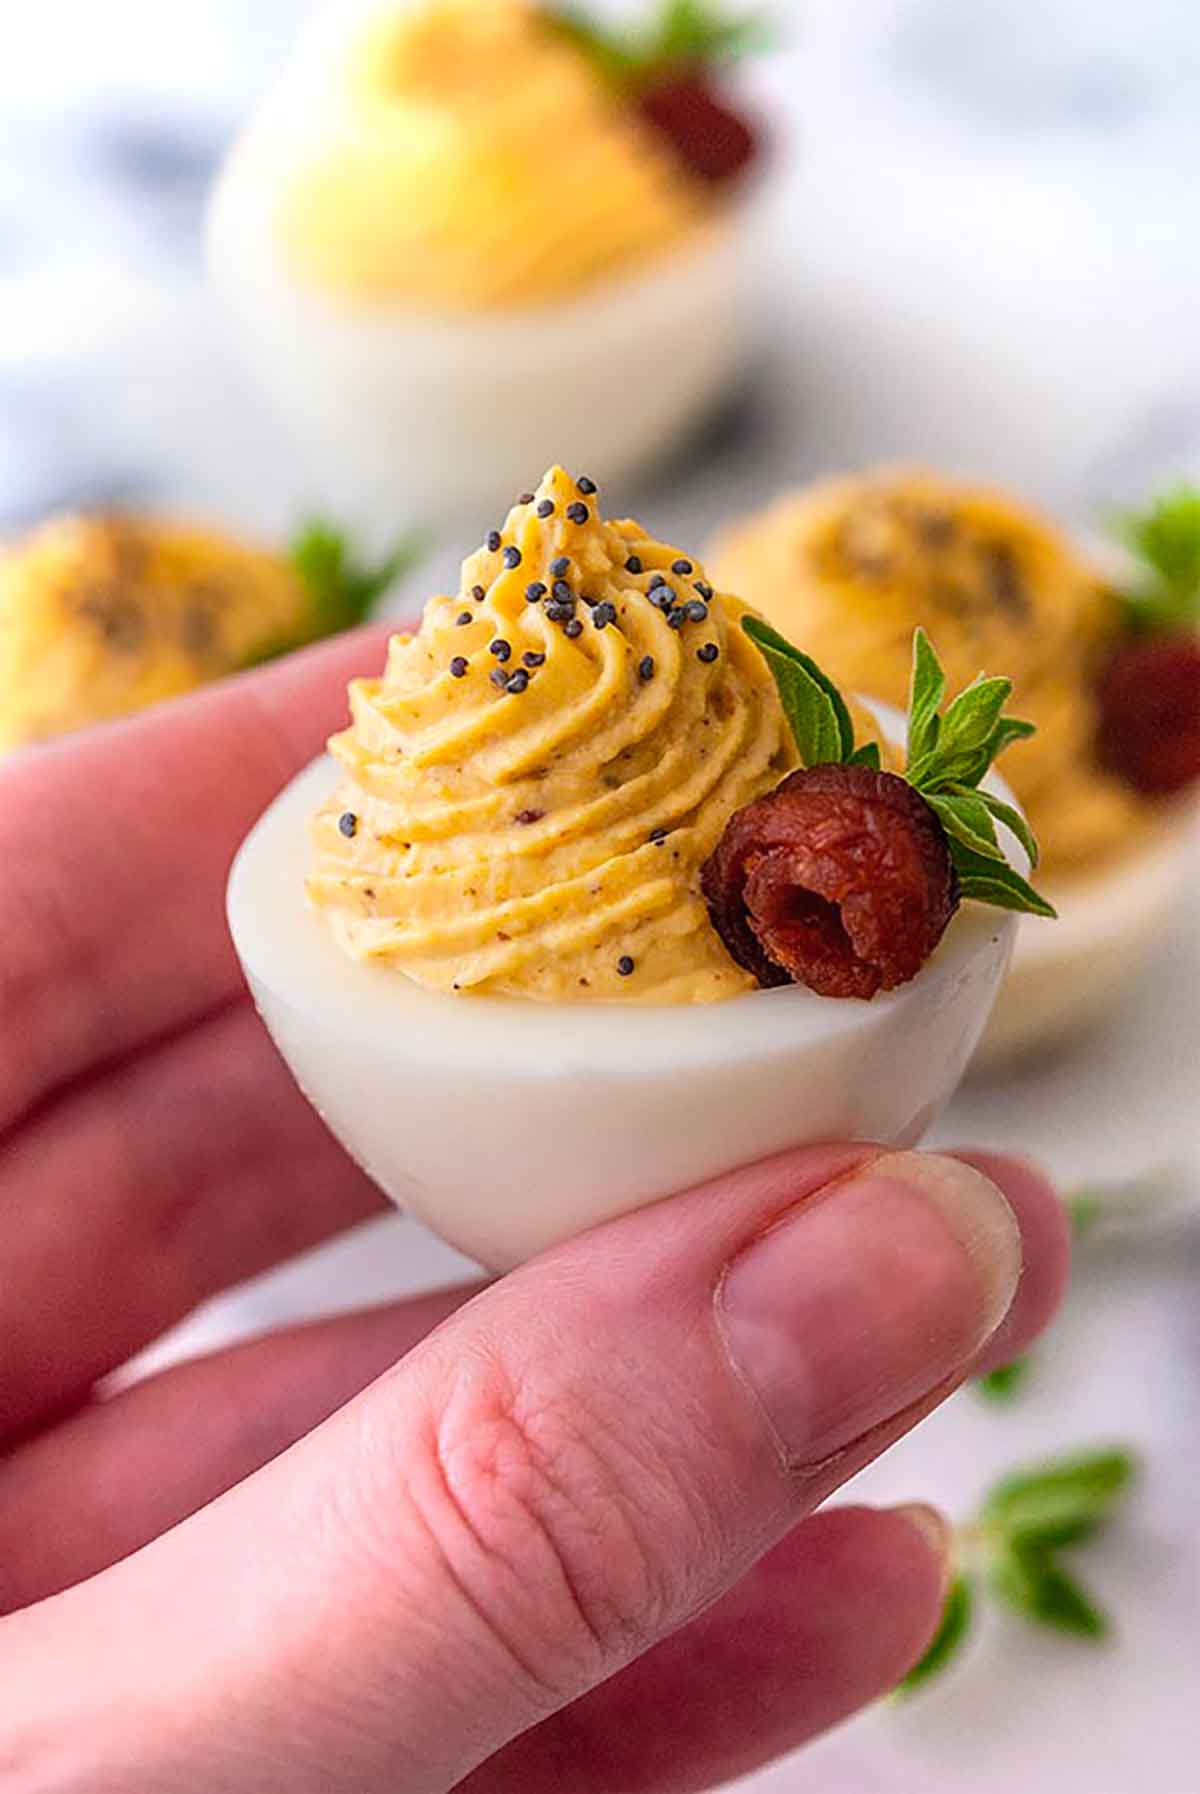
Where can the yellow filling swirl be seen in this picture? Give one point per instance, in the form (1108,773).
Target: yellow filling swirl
(531,789)
(476,160)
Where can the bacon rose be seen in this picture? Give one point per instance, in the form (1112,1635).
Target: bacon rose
(840,880)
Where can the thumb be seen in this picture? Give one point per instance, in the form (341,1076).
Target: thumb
(566,1472)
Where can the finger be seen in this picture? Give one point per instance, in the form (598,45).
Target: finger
(1046,1236)
(828,1622)
(124,1470)
(121,1471)
(115,846)
(138,1195)
(581,1460)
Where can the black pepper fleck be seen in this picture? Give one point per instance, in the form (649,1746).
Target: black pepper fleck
(625,966)
(511,556)
(348,823)
(646,669)
(500,648)
(633,564)
(708,653)
(533,659)
(478,593)
(658,836)
(526,818)
(578,513)
(458,667)
(527,498)
(464,617)
(493,540)
(682,567)
(585,485)
(546,508)
(603,615)
(573,628)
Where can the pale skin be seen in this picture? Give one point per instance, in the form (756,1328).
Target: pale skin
(558,1531)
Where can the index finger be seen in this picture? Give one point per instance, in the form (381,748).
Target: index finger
(114,848)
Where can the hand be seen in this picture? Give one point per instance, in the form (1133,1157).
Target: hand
(556,1532)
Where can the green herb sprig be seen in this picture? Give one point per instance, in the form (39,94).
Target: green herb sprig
(1013,1549)
(949,752)
(342,590)
(680,34)
(1164,540)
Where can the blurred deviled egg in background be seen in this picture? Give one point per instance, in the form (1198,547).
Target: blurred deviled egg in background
(1102,651)
(464,235)
(104,614)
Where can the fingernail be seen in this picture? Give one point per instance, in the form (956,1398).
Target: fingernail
(868,1298)
(935,1529)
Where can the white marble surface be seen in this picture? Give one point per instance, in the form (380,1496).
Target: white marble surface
(982,250)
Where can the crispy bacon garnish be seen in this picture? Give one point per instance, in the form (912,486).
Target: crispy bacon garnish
(716,142)
(1150,714)
(840,880)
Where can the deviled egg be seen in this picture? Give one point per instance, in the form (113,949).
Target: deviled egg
(546,937)
(850,565)
(464,234)
(103,615)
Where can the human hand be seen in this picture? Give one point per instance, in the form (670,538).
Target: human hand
(551,1533)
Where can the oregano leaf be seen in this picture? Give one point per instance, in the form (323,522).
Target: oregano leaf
(693,33)
(867,755)
(1165,538)
(968,822)
(1003,1383)
(997,883)
(972,717)
(1031,1503)
(814,707)
(949,1638)
(1008,730)
(927,688)
(1014,822)
(342,589)
(1028,1580)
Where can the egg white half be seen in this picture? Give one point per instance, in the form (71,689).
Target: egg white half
(508,1126)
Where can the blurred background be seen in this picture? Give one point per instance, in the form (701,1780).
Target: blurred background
(977,246)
